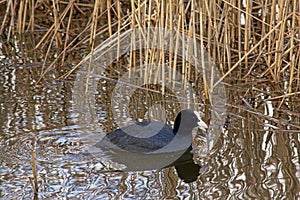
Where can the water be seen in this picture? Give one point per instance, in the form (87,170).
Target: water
(257,156)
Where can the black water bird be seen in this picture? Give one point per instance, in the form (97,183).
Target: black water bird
(154,136)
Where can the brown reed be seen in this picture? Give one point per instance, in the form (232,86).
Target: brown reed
(251,40)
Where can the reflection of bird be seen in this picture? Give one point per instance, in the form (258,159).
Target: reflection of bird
(150,136)
(186,168)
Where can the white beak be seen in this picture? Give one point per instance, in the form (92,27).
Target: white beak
(202,125)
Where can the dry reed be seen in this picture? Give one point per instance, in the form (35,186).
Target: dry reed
(247,40)
(34,182)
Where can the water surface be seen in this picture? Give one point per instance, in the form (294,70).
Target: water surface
(257,155)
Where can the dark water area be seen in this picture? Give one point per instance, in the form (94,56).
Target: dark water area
(256,156)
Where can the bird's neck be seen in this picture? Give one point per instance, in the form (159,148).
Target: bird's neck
(182,129)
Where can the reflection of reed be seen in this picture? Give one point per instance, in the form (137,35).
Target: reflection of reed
(264,151)
(152,100)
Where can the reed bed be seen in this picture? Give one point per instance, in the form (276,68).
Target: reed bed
(250,41)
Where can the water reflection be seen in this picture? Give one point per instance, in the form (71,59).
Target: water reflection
(242,165)
(247,163)
(138,161)
(186,168)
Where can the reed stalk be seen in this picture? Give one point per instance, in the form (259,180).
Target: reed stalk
(250,40)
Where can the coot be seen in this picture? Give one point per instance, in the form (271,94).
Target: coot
(150,136)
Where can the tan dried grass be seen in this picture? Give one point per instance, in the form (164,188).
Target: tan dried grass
(252,40)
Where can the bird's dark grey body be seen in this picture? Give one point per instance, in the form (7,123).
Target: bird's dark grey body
(151,136)
(125,139)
